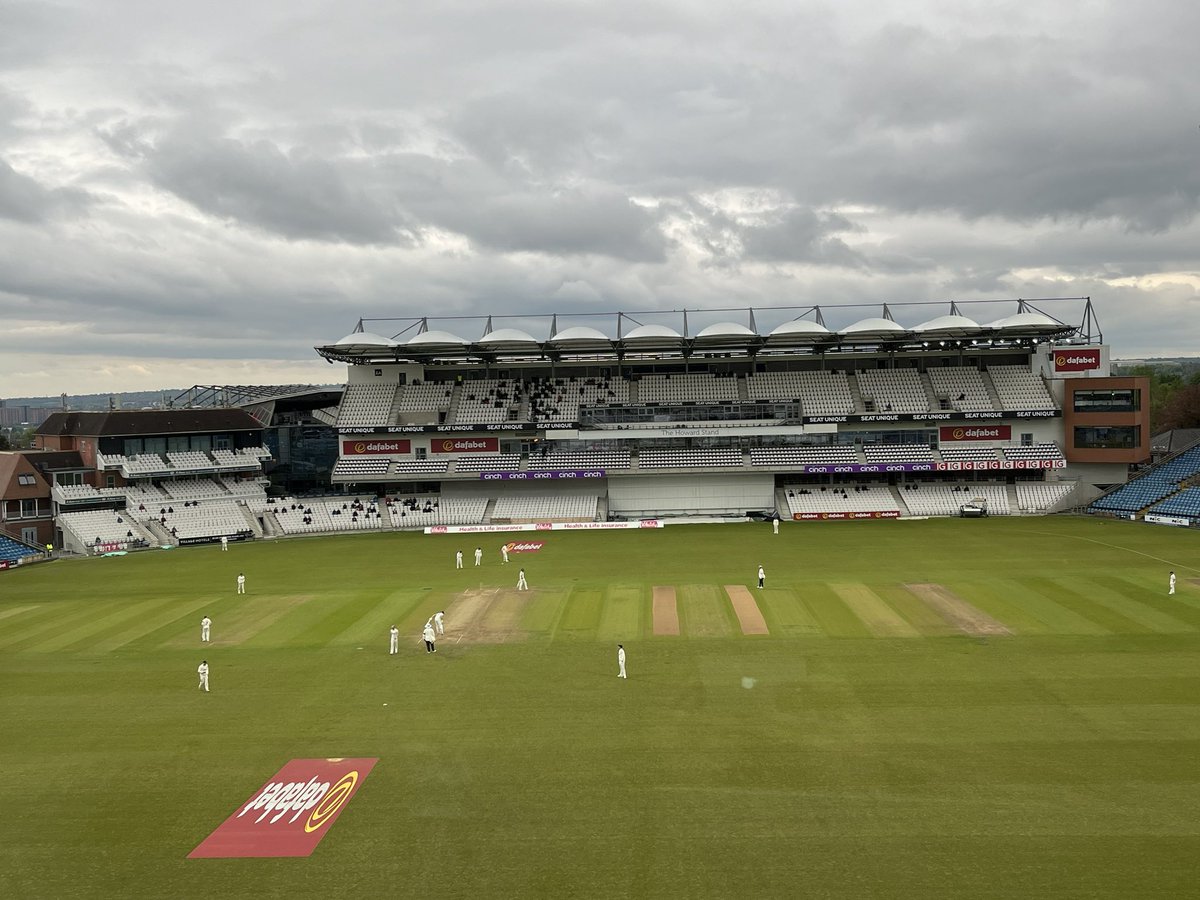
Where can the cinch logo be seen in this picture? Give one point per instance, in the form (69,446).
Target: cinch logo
(290,814)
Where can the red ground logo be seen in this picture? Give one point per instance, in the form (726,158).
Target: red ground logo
(290,814)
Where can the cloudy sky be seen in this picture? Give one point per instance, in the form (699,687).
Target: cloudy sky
(201,193)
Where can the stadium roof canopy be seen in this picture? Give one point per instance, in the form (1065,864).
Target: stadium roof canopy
(784,329)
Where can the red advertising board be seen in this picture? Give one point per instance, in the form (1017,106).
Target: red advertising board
(465,445)
(375,447)
(289,814)
(949,433)
(1073,359)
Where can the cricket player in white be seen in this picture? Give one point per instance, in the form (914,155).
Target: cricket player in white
(762,576)
(205,627)
(479,556)
(504,552)
(241,583)
(224,544)
(202,671)
(438,618)
(458,560)
(394,646)
(522,585)
(1171,582)
(621,661)
(775,525)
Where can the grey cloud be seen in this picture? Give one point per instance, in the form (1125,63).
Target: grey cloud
(257,184)
(23,199)
(803,235)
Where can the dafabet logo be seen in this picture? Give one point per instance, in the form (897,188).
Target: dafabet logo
(290,814)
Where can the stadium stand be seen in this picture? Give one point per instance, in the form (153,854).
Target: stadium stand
(492,462)
(822,455)
(560,399)
(820,393)
(422,510)
(886,453)
(103,526)
(1019,388)
(580,459)
(484,401)
(366,404)
(806,498)
(198,519)
(952,453)
(960,387)
(1039,496)
(554,507)
(1155,485)
(685,387)
(1034,451)
(12,551)
(720,458)
(894,390)
(1185,504)
(930,498)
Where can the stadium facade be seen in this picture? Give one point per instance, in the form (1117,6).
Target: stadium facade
(655,414)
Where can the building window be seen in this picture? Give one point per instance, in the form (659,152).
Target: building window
(29,509)
(1123,400)
(1108,437)
(26,480)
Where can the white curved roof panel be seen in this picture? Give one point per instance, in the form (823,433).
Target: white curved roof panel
(365,339)
(726,330)
(508,336)
(1028,322)
(801,329)
(579,333)
(875,326)
(435,338)
(653,332)
(949,326)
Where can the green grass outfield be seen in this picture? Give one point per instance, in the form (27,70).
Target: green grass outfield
(872,745)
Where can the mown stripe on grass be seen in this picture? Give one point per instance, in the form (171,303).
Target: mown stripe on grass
(831,613)
(376,623)
(543,609)
(339,617)
(622,613)
(879,618)
(786,613)
(581,618)
(703,612)
(1066,592)
(1143,614)
(66,615)
(919,615)
(956,611)
(1184,606)
(170,615)
(110,618)
(250,617)
(304,619)
(1023,596)
(18,610)
(502,617)
(996,602)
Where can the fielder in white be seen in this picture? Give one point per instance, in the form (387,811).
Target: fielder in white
(504,552)
(1171,582)
(458,560)
(241,583)
(205,629)
(479,556)
(762,576)
(438,623)
(775,525)
(394,644)
(224,543)
(621,661)
(202,671)
(522,584)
